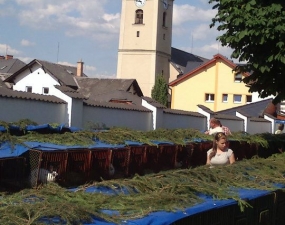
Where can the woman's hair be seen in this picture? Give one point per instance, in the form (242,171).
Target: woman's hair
(218,136)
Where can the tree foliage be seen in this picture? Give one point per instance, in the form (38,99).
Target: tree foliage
(255,30)
(159,91)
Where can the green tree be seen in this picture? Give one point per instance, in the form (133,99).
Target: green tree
(255,30)
(159,91)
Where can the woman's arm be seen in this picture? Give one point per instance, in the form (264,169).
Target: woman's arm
(232,158)
(208,160)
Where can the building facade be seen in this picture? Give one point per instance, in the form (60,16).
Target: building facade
(213,84)
(145,41)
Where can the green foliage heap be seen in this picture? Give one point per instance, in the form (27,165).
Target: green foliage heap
(168,191)
(116,135)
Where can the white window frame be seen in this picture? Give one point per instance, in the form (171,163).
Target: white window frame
(225,95)
(235,101)
(209,97)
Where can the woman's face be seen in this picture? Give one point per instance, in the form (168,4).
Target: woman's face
(222,143)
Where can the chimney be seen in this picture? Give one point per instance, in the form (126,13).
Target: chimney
(9,57)
(2,57)
(79,68)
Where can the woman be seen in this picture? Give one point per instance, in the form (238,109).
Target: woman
(280,129)
(220,154)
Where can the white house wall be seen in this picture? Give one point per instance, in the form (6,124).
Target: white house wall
(233,125)
(37,111)
(77,113)
(46,112)
(256,127)
(117,118)
(154,112)
(173,121)
(38,79)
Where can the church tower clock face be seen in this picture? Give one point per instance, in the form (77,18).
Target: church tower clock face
(139,3)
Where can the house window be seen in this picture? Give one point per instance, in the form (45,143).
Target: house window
(248,99)
(139,17)
(164,20)
(138,33)
(209,97)
(45,90)
(29,89)
(238,77)
(163,36)
(225,97)
(237,98)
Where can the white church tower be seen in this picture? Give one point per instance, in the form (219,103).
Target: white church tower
(145,41)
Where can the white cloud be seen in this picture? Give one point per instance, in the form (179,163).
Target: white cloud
(185,13)
(27,43)
(87,69)
(90,71)
(211,49)
(6,49)
(67,64)
(75,18)
(25,59)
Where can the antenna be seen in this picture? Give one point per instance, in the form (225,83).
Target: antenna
(57,52)
(6,50)
(192,44)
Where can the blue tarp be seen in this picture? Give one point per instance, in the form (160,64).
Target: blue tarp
(167,218)
(280,121)
(8,151)
(42,127)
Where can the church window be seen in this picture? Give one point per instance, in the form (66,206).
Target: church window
(138,33)
(139,17)
(164,20)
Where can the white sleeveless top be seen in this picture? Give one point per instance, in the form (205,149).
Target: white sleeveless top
(221,158)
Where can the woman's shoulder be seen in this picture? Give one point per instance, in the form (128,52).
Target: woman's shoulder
(229,151)
(209,151)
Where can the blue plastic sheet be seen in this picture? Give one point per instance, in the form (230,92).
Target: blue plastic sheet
(7,150)
(167,218)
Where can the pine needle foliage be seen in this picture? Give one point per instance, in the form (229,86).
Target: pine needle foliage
(117,135)
(168,191)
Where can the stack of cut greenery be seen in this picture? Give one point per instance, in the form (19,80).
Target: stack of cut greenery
(121,135)
(168,191)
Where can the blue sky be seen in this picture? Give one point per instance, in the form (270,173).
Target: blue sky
(66,31)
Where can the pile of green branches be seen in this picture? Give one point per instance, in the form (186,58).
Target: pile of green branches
(118,135)
(167,191)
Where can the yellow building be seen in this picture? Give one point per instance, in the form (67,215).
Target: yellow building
(212,84)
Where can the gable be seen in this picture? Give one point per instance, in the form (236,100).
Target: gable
(63,74)
(213,62)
